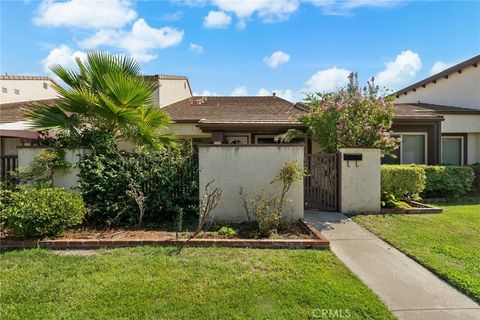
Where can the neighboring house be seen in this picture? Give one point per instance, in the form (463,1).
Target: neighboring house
(438,118)
(26,88)
(170,89)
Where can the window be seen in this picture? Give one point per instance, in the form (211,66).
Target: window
(4,90)
(265,139)
(17,91)
(452,150)
(412,149)
(45,86)
(237,139)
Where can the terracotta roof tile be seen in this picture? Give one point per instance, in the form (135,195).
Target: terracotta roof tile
(7,77)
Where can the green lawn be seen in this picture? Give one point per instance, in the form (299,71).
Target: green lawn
(195,283)
(447,243)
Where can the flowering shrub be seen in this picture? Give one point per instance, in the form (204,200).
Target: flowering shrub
(350,118)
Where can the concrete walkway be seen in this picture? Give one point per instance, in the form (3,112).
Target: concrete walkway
(409,290)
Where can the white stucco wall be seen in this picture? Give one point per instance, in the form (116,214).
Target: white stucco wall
(360,186)
(68,179)
(252,168)
(28,90)
(460,90)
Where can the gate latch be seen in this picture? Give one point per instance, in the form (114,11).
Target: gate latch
(352,157)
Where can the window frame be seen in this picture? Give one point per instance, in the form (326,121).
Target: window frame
(267,136)
(425,137)
(462,148)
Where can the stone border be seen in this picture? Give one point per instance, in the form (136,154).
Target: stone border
(64,244)
(420,208)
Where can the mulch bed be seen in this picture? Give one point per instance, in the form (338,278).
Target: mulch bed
(416,208)
(294,236)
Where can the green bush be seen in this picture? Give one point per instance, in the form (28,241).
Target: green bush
(476,171)
(227,232)
(168,180)
(33,212)
(447,181)
(268,212)
(402,181)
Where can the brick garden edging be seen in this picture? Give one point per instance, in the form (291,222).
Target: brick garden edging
(318,243)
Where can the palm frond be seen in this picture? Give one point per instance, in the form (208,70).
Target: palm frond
(51,117)
(127,90)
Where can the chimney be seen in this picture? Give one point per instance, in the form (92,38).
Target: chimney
(274,94)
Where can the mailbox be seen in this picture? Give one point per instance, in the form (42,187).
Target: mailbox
(352,157)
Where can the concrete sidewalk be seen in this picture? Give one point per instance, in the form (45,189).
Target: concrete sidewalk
(408,289)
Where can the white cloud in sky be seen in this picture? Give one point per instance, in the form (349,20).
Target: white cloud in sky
(64,56)
(205,93)
(345,7)
(85,14)
(216,19)
(196,48)
(440,66)
(276,59)
(327,80)
(240,91)
(266,10)
(139,42)
(401,71)
(286,94)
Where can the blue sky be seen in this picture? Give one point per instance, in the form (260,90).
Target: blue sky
(247,47)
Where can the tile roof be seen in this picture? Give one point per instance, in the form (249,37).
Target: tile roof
(7,77)
(428,111)
(215,109)
(12,112)
(166,77)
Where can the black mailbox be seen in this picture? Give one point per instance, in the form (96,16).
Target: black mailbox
(352,157)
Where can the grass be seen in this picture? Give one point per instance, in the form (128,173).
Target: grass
(193,283)
(446,243)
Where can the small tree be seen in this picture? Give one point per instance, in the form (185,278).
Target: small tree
(351,117)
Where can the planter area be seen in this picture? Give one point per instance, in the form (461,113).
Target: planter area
(415,208)
(310,238)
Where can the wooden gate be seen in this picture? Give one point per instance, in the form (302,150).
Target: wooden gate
(7,164)
(321,184)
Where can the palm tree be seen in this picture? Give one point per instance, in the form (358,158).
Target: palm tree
(107,93)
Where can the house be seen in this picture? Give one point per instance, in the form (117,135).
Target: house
(26,88)
(438,118)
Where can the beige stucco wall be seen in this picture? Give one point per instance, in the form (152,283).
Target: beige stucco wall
(252,168)
(473,148)
(170,91)
(460,90)
(360,186)
(465,123)
(187,130)
(28,90)
(67,180)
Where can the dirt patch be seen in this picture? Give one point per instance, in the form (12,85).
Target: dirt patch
(80,253)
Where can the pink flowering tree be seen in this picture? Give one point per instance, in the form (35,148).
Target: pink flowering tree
(351,117)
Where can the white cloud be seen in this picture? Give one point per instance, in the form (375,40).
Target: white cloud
(99,14)
(240,91)
(196,48)
(440,66)
(205,93)
(327,80)
(267,10)
(276,59)
(64,56)
(216,19)
(345,7)
(286,94)
(139,42)
(401,71)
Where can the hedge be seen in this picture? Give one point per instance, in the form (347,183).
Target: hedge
(402,180)
(447,181)
(405,181)
(168,180)
(36,212)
